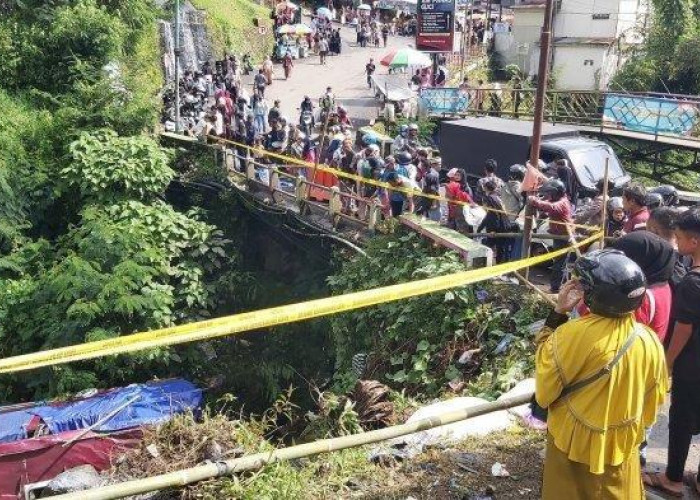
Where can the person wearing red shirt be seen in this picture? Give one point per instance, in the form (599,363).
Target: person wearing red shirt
(554,203)
(657,259)
(634,203)
(455,211)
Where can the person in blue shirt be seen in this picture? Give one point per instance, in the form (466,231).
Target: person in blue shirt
(396,198)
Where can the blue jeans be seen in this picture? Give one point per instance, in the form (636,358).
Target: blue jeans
(259,124)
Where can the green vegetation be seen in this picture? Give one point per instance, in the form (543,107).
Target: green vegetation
(670,59)
(235,27)
(88,249)
(429,337)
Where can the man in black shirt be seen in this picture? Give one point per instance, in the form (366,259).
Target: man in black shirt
(683,359)
(274,114)
(369,69)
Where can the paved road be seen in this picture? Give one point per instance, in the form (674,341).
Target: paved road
(345,73)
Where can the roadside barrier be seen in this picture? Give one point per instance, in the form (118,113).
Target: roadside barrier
(290,161)
(254,320)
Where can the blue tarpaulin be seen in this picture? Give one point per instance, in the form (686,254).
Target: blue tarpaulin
(149,404)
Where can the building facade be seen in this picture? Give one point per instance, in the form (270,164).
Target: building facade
(588,41)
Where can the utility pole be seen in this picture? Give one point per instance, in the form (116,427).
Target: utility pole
(176,51)
(542,77)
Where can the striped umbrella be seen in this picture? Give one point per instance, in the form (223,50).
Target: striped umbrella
(286,5)
(406,57)
(302,29)
(286,28)
(324,12)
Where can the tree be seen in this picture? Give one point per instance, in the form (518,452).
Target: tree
(667,60)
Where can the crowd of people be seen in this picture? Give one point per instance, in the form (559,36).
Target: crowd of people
(627,315)
(627,319)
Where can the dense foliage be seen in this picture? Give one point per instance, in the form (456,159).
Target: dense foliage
(88,249)
(669,60)
(421,344)
(105,165)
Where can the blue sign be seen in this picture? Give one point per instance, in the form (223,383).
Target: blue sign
(441,100)
(653,115)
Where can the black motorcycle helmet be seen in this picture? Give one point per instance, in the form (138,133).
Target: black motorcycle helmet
(554,188)
(613,285)
(654,200)
(404,158)
(517,172)
(669,194)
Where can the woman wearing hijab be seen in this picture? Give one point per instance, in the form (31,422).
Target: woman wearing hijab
(657,259)
(602,378)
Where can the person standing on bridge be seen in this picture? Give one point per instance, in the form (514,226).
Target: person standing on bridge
(602,379)
(385,33)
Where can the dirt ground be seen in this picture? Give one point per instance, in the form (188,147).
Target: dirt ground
(464,471)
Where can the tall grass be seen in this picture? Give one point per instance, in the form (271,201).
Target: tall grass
(236,25)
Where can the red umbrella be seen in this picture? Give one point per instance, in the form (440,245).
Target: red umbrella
(386,60)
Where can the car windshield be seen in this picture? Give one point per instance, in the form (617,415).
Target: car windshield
(589,164)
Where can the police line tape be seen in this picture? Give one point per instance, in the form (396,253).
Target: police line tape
(385,185)
(265,318)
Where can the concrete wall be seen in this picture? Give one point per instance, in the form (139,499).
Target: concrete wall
(596,18)
(527,24)
(579,67)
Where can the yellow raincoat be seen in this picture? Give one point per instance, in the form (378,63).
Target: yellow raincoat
(595,432)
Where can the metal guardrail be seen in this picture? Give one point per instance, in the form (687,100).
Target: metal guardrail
(643,113)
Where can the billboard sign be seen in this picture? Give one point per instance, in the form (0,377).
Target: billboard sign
(436,25)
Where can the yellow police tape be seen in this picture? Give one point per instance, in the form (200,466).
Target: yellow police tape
(373,182)
(265,318)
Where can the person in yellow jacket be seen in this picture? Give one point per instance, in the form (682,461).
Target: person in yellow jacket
(602,379)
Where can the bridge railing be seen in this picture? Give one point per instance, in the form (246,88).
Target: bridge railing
(285,182)
(648,113)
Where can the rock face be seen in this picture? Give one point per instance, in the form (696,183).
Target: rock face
(194,41)
(80,478)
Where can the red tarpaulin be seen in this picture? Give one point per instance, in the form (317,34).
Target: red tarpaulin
(39,459)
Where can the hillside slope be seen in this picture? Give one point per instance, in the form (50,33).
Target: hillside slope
(239,26)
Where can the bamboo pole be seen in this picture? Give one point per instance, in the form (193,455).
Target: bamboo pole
(606,181)
(534,288)
(101,421)
(258,460)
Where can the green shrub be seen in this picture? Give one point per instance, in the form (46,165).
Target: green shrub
(105,167)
